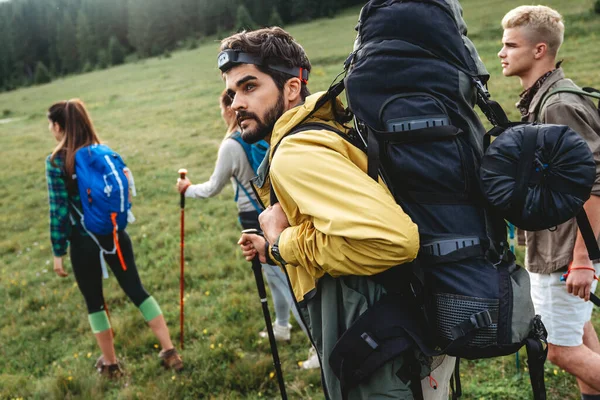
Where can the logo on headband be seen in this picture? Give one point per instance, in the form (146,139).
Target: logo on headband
(229,58)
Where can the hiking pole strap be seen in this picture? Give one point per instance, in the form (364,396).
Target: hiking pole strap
(262,294)
(588,235)
(536,356)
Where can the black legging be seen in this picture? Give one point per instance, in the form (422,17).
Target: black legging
(85,257)
(249,220)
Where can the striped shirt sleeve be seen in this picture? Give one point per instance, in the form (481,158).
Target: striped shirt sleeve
(58,199)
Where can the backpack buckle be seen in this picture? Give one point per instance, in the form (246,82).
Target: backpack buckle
(481,319)
(476,321)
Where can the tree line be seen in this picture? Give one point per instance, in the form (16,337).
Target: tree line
(42,39)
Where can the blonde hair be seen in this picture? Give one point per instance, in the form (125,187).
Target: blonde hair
(543,24)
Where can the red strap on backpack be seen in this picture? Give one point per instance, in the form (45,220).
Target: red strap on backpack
(113,217)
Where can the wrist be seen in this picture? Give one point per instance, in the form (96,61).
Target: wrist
(576,267)
(582,268)
(268,257)
(276,253)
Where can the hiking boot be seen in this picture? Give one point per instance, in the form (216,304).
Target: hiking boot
(312,361)
(171,359)
(99,362)
(282,333)
(110,371)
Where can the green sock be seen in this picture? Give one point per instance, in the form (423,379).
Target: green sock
(150,309)
(99,321)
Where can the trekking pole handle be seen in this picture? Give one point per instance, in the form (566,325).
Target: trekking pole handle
(255,261)
(182,172)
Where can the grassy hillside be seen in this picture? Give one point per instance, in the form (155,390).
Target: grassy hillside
(161,115)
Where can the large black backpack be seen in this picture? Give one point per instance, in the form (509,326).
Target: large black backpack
(412,82)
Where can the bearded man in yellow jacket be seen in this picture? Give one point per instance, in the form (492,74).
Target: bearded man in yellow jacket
(333,226)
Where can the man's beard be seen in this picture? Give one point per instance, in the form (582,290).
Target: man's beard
(263,128)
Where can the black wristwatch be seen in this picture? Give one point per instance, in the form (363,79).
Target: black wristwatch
(276,254)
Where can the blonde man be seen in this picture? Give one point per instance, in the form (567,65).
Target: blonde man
(531,40)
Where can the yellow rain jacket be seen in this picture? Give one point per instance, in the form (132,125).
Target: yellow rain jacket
(342,222)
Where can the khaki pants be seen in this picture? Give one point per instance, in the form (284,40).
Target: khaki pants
(335,307)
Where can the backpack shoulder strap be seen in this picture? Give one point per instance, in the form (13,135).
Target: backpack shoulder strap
(492,110)
(314,126)
(331,94)
(248,195)
(237,136)
(586,91)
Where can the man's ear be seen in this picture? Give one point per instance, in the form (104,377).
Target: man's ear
(292,90)
(541,49)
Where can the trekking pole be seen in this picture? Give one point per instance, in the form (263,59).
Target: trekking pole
(262,294)
(182,172)
(112,331)
(594,299)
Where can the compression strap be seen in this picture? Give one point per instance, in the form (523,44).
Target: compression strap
(113,217)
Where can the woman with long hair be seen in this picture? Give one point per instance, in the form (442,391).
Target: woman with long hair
(233,165)
(72,128)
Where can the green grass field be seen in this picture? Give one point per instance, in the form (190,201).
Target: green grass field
(161,115)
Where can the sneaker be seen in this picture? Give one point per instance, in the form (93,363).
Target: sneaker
(171,359)
(312,361)
(110,371)
(282,333)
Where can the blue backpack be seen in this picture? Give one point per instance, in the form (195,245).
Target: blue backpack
(255,153)
(104,182)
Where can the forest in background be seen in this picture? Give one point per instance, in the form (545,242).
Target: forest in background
(44,39)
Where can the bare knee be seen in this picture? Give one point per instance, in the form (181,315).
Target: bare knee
(558,355)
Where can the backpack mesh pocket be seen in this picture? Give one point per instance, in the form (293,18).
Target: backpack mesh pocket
(451,310)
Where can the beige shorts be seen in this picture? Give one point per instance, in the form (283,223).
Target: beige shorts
(437,387)
(563,314)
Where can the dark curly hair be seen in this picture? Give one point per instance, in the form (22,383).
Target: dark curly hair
(273,45)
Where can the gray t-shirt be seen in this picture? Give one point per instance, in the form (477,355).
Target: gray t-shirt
(232,163)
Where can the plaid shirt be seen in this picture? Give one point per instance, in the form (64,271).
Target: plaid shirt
(59,198)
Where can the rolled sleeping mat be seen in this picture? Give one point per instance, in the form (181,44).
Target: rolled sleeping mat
(537,176)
